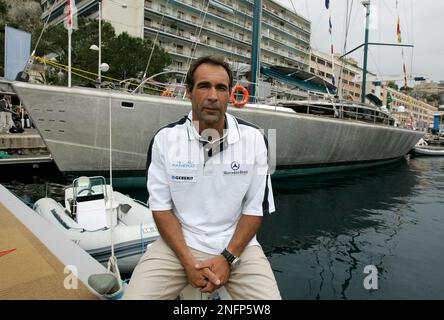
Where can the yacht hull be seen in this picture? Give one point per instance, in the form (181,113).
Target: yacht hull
(74,123)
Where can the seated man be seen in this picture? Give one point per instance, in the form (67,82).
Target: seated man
(209,187)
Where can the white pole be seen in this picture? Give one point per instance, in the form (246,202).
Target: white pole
(22,120)
(69,56)
(100,41)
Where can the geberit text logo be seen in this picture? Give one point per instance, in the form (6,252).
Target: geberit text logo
(182,178)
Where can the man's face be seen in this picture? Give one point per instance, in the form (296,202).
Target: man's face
(210,94)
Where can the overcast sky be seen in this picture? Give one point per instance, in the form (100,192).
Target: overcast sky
(422,24)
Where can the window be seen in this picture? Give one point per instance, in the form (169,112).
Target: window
(179,48)
(320,61)
(313,58)
(219,44)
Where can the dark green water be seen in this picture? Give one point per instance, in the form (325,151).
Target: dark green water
(328,228)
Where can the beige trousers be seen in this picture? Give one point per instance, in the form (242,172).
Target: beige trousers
(160,275)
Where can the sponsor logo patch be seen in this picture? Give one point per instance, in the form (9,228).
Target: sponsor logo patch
(182,178)
(183,165)
(236,167)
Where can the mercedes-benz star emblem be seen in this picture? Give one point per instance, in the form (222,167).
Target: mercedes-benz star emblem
(235,165)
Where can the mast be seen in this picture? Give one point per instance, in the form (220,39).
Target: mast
(100,42)
(256,48)
(366,4)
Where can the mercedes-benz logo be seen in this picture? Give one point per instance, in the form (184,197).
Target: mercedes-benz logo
(235,165)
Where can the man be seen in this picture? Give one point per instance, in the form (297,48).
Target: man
(208,190)
(6,121)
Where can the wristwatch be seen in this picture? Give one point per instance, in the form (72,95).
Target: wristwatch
(232,260)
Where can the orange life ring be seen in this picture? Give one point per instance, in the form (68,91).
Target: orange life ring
(167,93)
(243,102)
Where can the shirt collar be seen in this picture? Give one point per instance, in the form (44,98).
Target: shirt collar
(231,133)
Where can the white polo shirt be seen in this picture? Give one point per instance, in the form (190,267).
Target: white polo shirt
(209,185)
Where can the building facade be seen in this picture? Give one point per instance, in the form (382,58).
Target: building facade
(410,112)
(347,75)
(188,29)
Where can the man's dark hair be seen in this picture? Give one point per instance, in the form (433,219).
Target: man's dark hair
(214,60)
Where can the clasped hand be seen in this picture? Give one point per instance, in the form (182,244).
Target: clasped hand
(210,274)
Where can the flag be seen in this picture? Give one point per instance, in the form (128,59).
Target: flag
(327,3)
(71,15)
(331,48)
(405,75)
(333,80)
(389,100)
(398,30)
(329,25)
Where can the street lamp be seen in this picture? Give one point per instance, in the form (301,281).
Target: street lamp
(99,48)
(102,66)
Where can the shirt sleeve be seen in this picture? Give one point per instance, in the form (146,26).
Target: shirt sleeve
(159,195)
(259,199)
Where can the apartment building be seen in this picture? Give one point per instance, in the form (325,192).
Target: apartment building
(188,29)
(347,75)
(404,106)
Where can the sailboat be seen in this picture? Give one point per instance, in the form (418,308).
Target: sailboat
(304,137)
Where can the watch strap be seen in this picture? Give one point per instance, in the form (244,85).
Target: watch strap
(228,256)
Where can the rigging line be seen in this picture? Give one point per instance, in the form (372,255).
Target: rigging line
(193,50)
(316,60)
(402,49)
(378,71)
(342,63)
(413,35)
(324,82)
(407,25)
(232,35)
(44,27)
(154,42)
(394,15)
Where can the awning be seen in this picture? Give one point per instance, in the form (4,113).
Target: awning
(299,78)
(375,99)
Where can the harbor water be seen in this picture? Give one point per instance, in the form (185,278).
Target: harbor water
(369,234)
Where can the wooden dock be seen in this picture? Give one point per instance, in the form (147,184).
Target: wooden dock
(37,261)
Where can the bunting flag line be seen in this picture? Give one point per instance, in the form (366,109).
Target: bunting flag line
(398,30)
(330,30)
(71,15)
(405,74)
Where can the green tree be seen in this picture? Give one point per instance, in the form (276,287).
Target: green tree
(393,85)
(128,57)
